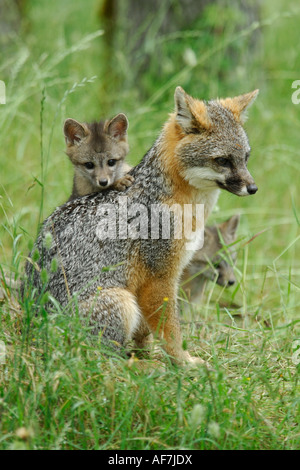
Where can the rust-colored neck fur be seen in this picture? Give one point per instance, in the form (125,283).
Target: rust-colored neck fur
(171,136)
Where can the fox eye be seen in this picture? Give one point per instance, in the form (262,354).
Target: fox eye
(247,156)
(223,162)
(111,162)
(89,165)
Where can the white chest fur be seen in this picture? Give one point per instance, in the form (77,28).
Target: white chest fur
(208,198)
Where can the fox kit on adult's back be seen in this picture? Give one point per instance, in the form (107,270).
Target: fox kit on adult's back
(202,148)
(98,150)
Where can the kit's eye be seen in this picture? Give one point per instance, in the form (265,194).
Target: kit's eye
(247,156)
(225,162)
(89,165)
(111,162)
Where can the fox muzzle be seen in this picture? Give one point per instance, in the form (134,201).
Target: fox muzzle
(240,184)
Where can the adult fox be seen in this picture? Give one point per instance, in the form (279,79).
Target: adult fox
(202,148)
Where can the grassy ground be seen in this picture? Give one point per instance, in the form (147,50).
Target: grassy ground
(56,389)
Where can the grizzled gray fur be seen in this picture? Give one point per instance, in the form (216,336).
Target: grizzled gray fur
(120,283)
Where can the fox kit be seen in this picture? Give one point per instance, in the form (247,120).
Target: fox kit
(202,148)
(212,262)
(97,151)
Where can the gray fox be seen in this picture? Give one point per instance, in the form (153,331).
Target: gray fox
(124,280)
(212,261)
(97,150)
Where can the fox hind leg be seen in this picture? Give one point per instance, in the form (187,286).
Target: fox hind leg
(114,312)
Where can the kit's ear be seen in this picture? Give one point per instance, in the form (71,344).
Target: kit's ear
(74,132)
(117,127)
(229,227)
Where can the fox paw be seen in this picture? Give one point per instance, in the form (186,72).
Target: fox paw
(195,360)
(191,361)
(124,182)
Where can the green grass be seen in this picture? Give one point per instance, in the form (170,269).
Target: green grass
(57,389)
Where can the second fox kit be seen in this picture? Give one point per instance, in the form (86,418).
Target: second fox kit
(97,151)
(212,262)
(202,147)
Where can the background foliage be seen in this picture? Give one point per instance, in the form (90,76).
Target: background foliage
(89,60)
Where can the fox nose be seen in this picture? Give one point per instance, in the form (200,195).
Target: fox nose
(103,182)
(231,282)
(252,188)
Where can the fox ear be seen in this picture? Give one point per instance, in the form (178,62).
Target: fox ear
(117,127)
(184,116)
(239,105)
(74,131)
(230,226)
(191,114)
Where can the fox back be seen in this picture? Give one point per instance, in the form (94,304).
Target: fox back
(214,261)
(97,151)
